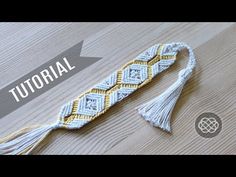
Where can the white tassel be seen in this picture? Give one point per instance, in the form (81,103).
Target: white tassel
(25,140)
(158,111)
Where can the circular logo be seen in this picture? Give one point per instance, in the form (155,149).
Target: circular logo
(208,125)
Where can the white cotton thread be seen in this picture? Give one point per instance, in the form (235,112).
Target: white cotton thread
(24,141)
(158,111)
(116,87)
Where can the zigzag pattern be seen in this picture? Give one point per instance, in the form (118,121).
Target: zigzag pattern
(117,86)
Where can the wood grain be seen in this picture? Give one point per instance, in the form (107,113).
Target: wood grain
(24,46)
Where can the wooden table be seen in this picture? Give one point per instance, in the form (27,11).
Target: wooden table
(25,46)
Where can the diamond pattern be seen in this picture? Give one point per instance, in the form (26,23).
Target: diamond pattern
(91,104)
(117,86)
(134,74)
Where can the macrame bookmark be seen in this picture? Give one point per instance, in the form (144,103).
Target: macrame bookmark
(113,89)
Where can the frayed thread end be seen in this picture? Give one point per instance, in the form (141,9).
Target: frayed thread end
(25,140)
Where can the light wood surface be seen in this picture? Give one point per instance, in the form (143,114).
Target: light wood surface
(25,46)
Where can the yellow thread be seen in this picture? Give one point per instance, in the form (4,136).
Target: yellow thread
(140,62)
(99,91)
(150,72)
(69,119)
(117,86)
(119,77)
(75,106)
(83,117)
(166,57)
(107,101)
(154,60)
(114,88)
(129,85)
